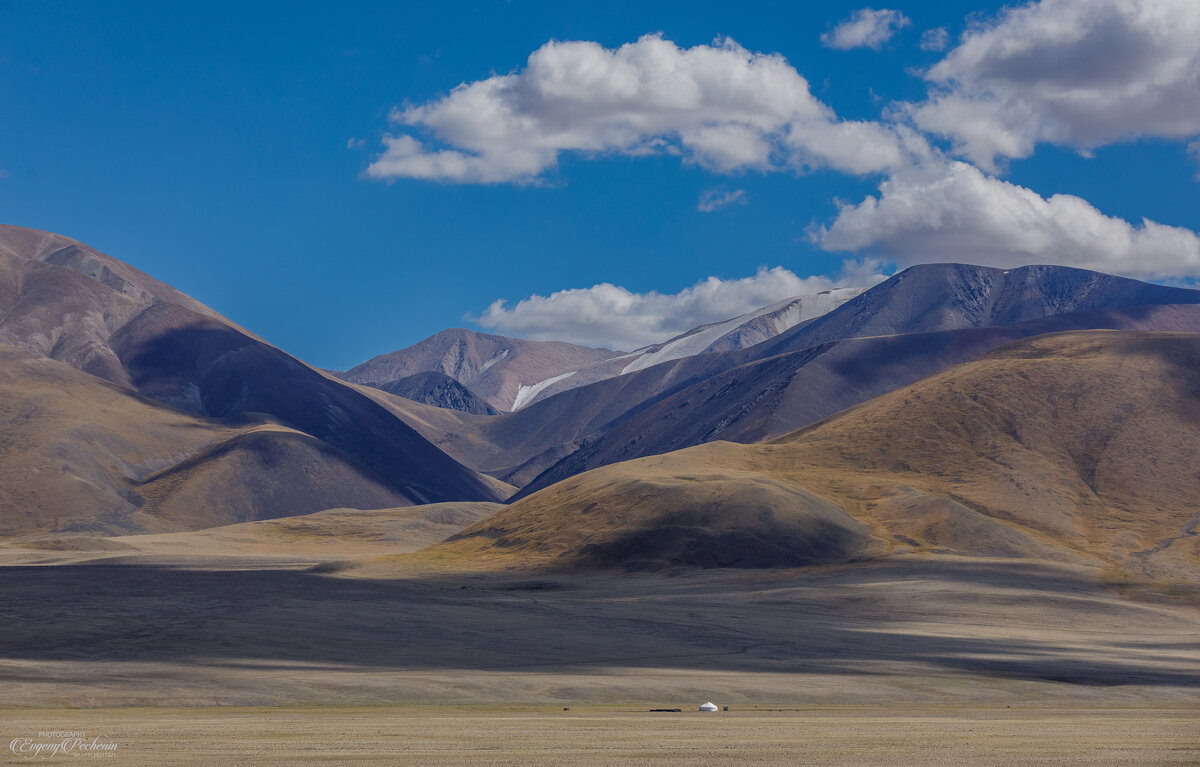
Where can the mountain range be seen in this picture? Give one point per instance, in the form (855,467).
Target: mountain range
(915,324)
(1042,412)
(511,374)
(202,422)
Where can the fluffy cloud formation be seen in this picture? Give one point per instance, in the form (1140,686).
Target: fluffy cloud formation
(715,198)
(1074,72)
(719,106)
(866,28)
(954,212)
(609,315)
(1079,73)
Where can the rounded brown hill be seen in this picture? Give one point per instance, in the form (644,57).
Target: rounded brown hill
(1067,446)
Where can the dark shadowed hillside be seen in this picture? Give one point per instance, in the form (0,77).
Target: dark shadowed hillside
(439,390)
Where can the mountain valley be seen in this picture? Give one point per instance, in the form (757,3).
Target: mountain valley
(962,483)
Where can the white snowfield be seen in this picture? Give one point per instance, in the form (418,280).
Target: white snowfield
(525,394)
(787,314)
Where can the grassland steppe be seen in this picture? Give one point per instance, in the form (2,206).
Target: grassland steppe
(620,735)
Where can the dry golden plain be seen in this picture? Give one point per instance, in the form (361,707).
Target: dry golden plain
(622,735)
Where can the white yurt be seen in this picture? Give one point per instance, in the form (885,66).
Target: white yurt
(710,706)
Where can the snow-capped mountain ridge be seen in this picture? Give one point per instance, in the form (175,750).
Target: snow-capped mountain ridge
(777,318)
(511,374)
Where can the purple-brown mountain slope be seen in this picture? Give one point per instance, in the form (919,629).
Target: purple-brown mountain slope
(770,397)
(913,323)
(513,374)
(439,390)
(494,367)
(62,300)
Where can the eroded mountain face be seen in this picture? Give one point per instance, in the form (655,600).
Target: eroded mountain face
(63,301)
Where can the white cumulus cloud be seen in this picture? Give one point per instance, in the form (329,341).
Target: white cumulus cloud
(720,106)
(1079,73)
(866,28)
(609,315)
(954,212)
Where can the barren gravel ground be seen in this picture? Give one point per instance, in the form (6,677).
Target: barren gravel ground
(921,631)
(258,661)
(625,735)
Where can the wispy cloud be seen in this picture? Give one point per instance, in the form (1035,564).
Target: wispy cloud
(935,39)
(866,28)
(712,199)
(609,315)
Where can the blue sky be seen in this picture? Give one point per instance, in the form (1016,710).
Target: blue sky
(226,150)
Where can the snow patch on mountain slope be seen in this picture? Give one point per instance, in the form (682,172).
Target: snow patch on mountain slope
(525,394)
(783,315)
(806,308)
(503,353)
(634,353)
(687,345)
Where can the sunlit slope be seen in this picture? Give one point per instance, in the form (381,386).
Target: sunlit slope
(1061,446)
(79,454)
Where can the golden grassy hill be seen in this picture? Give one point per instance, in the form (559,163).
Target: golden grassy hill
(333,539)
(78,454)
(1074,445)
